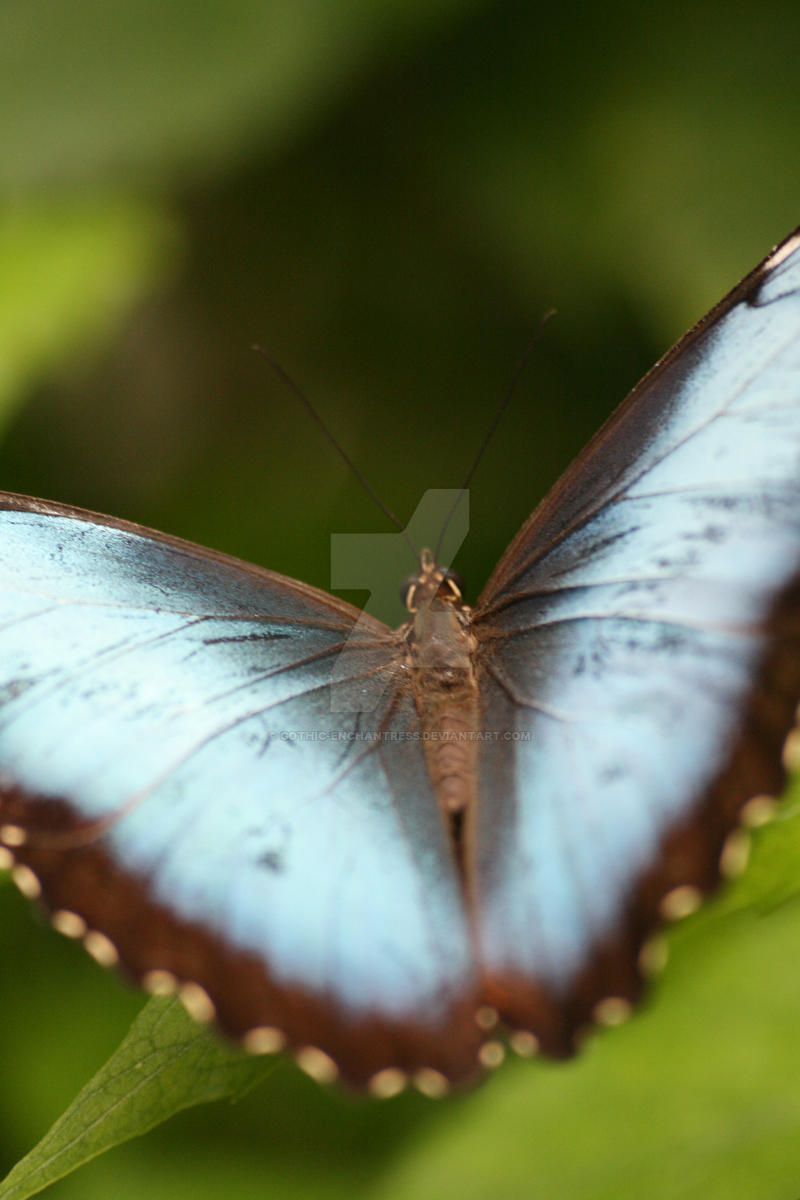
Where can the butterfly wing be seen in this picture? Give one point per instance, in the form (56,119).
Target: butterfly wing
(187,777)
(640,643)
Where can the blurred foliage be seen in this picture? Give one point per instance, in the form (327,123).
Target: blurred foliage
(68,273)
(388,197)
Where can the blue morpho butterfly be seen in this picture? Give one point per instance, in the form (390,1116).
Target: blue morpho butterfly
(377,902)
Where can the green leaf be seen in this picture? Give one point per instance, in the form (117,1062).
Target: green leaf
(164,1064)
(773,875)
(696,1098)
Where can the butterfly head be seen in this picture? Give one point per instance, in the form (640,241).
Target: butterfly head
(431,583)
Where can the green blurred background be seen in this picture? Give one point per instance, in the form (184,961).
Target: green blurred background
(388,196)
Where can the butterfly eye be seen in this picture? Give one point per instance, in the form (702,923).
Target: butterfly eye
(456,583)
(451,587)
(406,589)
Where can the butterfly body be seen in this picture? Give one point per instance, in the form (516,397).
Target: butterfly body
(359,842)
(446,692)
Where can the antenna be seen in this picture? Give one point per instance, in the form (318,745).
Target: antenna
(286,378)
(501,408)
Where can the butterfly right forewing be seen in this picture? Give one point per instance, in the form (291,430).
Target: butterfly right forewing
(640,640)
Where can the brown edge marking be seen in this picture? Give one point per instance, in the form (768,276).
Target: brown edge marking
(689,857)
(88,894)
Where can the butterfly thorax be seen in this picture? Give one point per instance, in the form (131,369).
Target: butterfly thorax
(440,649)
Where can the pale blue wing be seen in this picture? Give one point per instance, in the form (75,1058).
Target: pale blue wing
(239,824)
(640,641)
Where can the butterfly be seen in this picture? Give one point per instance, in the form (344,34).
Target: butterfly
(377,847)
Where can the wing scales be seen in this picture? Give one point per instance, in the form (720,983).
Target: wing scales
(640,638)
(281,845)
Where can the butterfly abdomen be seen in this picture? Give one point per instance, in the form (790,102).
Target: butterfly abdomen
(447,700)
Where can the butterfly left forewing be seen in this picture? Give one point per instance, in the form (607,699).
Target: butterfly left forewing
(640,643)
(202,790)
